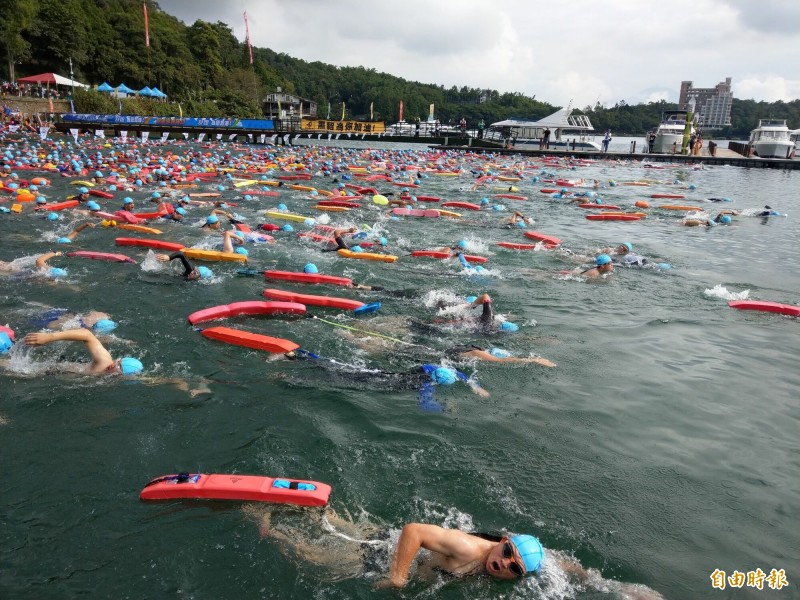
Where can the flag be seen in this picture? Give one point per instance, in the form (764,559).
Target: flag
(71,106)
(328,116)
(430,114)
(180,110)
(120,105)
(247,35)
(342,119)
(401,111)
(50,100)
(371,114)
(146,26)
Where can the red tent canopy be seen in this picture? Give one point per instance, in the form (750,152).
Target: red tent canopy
(51,78)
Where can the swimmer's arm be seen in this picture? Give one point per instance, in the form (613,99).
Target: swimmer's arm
(101,358)
(41,262)
(413,537)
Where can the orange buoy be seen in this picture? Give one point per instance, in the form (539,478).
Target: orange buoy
(642,204)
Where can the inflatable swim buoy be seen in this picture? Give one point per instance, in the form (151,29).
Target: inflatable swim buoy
(57,206)
(145,243)
(310,300)
(101,194)
(773,307)
(213,255)
(548,240)
(101,256)
(465,205)
(308,277)
(515,246)
(249,307)
(245,488)
(139,228)
(612,217)
(367,255)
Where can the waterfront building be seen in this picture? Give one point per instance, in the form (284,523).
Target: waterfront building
(713,105)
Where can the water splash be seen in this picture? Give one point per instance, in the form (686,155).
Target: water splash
(720,291)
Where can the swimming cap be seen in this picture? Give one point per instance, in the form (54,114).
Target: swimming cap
(5,343)
(499,353)
(98,174)
(104,326)
(287,227)
(602,259)
(180,210)
(520,223)
(310,268)
(92,205)
(444,376)
(664,266)
(155,195)
(308,222)
(281,206)
(204,272)
(628,245)
(509,326)
(211,219)
(462,244)
(52,216)
(64,240)
(471,299)
(41,200)
(383,241)
(127,200)
(242,251)
(530,551)
(83,190)
(130,366)
(56,272)
(725,219)
(356,248)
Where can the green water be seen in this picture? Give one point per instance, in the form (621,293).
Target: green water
(663,446)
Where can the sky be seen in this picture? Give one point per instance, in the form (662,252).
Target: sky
(581,51)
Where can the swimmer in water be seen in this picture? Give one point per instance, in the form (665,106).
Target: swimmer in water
(603,266)
(486,319)
(190,272)
(43,268)
(517,220)
(99,323)
(345,549)
(723,218)
(102,361)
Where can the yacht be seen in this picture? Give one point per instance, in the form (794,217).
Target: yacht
(667,138)
(567,132)
(771,139)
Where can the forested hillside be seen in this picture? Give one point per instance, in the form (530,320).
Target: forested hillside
(206,69)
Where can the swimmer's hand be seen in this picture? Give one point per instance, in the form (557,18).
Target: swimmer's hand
(162,257)
(390,583)
(542,361)
(37,339)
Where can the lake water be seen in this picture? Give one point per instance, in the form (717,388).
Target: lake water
(663,446)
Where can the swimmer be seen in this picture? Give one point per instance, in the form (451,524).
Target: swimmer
(495,355)
(212,222)
(68,239)
(517,220)
(190,272)
(337,237)
(102,361)
(723,218)
(43,267)
(57,318)
(486,319)
(768,212)
(603,266)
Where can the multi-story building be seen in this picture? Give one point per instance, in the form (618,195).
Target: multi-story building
(280,105)
(712,105)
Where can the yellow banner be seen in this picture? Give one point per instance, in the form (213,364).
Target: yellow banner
(328,126)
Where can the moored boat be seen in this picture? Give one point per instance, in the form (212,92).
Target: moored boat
(771,139)
(667,138)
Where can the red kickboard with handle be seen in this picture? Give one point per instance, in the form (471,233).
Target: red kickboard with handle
(245,488)
(246,339)
(310,300)
(772,307)
(247,307)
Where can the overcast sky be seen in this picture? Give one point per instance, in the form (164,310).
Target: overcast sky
(584,51)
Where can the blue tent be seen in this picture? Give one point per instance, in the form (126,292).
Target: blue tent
(146,91)
(104,87)
(124,89)
(158,93)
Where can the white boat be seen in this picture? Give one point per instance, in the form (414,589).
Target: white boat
(567,132)
(667,138)
(771,139)
(421,129)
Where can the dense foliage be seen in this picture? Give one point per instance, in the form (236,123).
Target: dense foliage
(206,69)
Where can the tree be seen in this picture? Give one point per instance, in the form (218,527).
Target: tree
(18,16)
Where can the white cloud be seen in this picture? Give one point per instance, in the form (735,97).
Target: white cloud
(582,50)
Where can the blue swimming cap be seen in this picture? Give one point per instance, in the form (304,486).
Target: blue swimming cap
(242,251)
(287,227)
(5,343)
(520,223)
(281,206)
(462,244)
(204,272)
(479,269)
(211,219)
(725,219)
(499,353)
(692,186)
(112,188)
(56,272)
(83,190)
(180,210)
(356,248)
(664,266)
(248,197)
(52,216)
(308,222)
(602,259)
(628,245)
(127,200)
(484,201)
(104,326)
(509,326)
(444,376)
(383,241)
(64,240)
(155,195)
(130,366)
(98,174)
(530,551)
(220,188)
(310,268)
(41,200)
(92,205)
(471,299)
